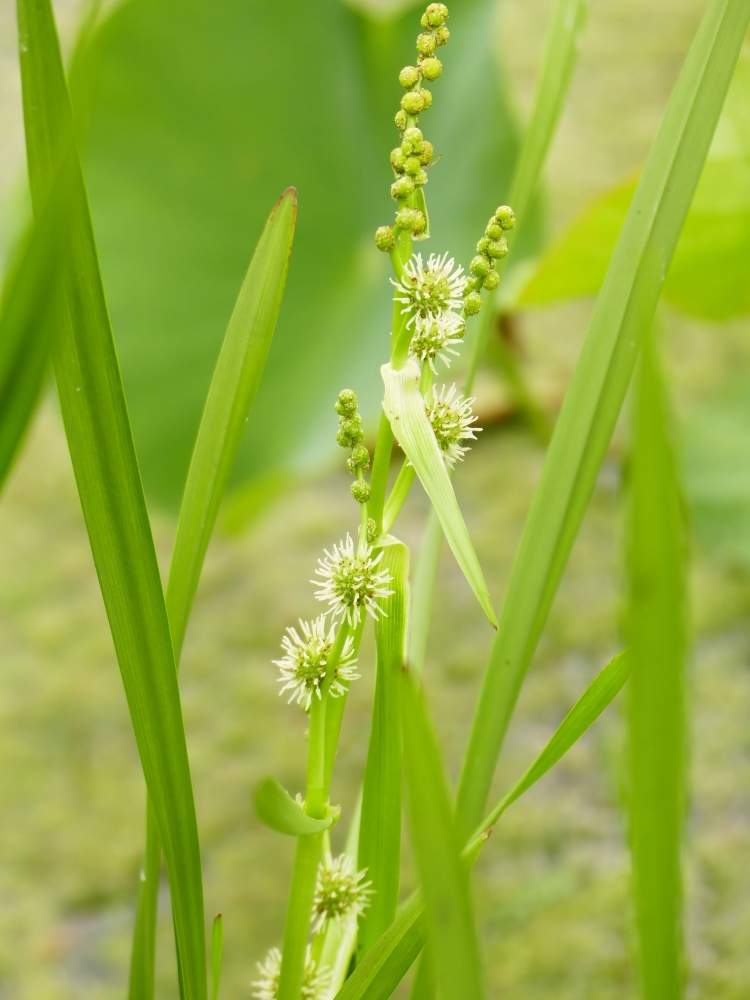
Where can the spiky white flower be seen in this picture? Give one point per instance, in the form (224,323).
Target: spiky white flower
(302,668)
(340,891)
(350,582)
(452,418)
(430,289)
(436,338)
(315,980)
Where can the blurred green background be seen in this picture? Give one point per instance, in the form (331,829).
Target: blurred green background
(191,127)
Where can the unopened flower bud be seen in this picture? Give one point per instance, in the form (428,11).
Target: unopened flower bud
(506,216)
(397,159)
(472,304)
(412,165)
(346,402)
(426,98)
(359,459)
(420,178)
(402,188)
(498,248)
(385,238)
(350,432)
(428,151)
(431,68)
(479,266)
(412,140)
(372,530)
(494,230)
(408,76)
(413,102)
(411,219)
(399,119)
(472,284)
(361,491)
(426,44)
(492,280)
(482,245)
(442,34)
(436,14)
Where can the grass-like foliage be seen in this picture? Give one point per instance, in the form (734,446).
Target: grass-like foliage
(347,932)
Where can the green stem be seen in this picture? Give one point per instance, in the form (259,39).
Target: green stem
(398,495)
(297,926)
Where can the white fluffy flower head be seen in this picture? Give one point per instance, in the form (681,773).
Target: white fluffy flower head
(302,668)
(266,987)
(350,582)
(340,891)
(430,289)
(452,421)
(435,338)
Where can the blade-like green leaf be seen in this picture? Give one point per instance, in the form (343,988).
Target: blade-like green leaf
(279,811)
(623,311)
(404,406)
(387,962)
(236,377)
(657,633)
(235,382)
(26,306)
(380,827)
(443,874)
(217,949)
(106,470)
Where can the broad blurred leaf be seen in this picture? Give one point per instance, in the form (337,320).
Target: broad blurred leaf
(657,634)
(104,462)
(195,123)
(710,274)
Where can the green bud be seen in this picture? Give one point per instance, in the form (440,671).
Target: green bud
(402,188)
(385,238)
(346,401)
(472,304)
(426,98)
(472,284)
(442,35)
(436,14)
(412,165)
(412,140)
(492,280)
(361,491)
(426,44)
(397,159)
(359,459)
(413,102)
(479,266)
(431,68)
(372,529)
(482,245)
(420,223)
(498,248)
(506,216)
(423,20)
(411,219)
(408,76)
(350,431)
(494,231)
(428,151)
(420,178)
(399,119)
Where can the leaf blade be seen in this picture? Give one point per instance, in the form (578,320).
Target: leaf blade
(278,810)
(594,397)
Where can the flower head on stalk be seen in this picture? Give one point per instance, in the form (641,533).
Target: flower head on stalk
(452,418)
(436,339)
(350,582)
(314,982)
(429,289)
(303,667)
(340,891)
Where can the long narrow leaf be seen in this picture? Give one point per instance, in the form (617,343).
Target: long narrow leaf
(387,962)
(623,311)
(380,827)
(279,811)
(217,951)
(235,381)
(443,874)
(404,406)
(106,470)
(657,633)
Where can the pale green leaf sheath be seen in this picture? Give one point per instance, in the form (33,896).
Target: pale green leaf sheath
(404,406)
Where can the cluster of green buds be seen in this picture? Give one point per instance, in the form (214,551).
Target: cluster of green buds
(411,158)
(492,247)
(350,435)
